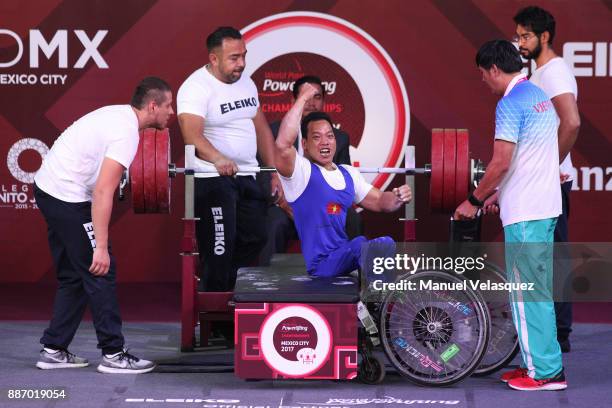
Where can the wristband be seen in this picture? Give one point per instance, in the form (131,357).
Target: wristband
(475,202)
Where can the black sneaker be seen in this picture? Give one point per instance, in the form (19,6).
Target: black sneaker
(51,359)
(124,363)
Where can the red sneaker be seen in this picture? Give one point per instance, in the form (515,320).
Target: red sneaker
(545,384)
(516,373)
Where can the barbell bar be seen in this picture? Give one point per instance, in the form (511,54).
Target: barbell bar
(452,172)
(173,170)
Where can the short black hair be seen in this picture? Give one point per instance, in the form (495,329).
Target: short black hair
(537,20)
(501,53)
(215,39)
(313,117)
(306,79)
(150,88)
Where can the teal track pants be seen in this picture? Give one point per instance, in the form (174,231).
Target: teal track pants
(529,259)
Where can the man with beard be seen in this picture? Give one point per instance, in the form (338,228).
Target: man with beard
(535,31)
(74,190)
(218,112)
(320,192)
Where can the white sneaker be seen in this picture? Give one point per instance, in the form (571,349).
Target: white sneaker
(124,363)
(51,359)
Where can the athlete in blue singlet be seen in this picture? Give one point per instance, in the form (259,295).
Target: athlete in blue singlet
(320,192)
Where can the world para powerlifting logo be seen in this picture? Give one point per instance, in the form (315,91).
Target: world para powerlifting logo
(365,94)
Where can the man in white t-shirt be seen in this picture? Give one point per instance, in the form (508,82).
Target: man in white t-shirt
(535,31)
(320,192)
(524,167)
(218,111)
(74,190)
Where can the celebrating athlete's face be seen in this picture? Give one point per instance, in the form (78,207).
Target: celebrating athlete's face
(229,59)
(320,145)
(162,111)
(529,43)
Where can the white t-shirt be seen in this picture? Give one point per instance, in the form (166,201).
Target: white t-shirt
(70,170)
(530,190)
(556,78)
(228,111)
(295,185)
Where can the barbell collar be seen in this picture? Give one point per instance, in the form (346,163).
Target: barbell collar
(172,170)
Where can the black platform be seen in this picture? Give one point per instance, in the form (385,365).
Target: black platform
(286,280)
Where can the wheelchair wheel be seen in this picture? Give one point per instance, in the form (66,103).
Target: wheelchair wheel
(434,336)
(503,344)
(371,370)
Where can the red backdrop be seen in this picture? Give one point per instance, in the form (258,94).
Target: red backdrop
(62,59)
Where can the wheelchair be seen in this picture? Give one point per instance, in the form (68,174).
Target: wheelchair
(293,326)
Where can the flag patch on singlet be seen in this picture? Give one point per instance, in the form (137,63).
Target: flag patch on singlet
(333,208)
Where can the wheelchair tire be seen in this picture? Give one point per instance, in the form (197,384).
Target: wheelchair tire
(434,337)
(371,370)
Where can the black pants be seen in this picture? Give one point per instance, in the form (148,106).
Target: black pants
(231,230)
(70,234)
(563,310)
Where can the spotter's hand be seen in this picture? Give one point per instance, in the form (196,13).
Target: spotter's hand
(465,211)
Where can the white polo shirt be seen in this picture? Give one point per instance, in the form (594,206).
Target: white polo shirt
(530,190)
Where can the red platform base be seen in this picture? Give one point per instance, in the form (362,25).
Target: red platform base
(296,340)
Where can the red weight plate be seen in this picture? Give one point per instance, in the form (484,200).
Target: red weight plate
(137,181)
(462,173)
(162,178)
(436,183)
(450,159)
(150,186)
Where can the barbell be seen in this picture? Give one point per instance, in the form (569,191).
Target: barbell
(451,171)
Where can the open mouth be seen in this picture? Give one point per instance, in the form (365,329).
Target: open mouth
(325,152)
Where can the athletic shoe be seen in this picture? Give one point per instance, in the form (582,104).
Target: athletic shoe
(124,363)
(50,359)
(516,373)
(545,384)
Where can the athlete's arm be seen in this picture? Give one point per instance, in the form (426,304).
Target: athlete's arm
(101,208)
(287,133)
(387,201)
